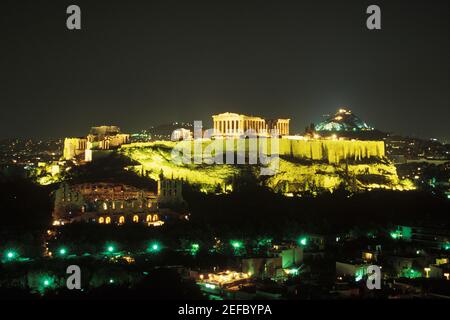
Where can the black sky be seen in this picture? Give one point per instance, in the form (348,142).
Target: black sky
(141,63)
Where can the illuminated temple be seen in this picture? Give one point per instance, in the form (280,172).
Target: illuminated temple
(233,124)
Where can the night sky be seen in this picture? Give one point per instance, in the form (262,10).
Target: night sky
(141,63)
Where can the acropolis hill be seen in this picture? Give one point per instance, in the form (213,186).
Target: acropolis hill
(312,165)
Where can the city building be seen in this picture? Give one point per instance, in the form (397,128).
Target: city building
(427,237)
(355,269)
(226,284)
(233,124)
(280,261)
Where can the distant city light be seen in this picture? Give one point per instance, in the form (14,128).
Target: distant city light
(62,251)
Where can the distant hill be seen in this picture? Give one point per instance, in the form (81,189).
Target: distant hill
(164,131)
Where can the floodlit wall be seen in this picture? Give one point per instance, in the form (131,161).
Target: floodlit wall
(332,151)
(74,147)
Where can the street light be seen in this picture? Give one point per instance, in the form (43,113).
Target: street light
(236,244)
(11,254)
(110,248)
(154,247)
(62,251)
(303,241)
(194,248)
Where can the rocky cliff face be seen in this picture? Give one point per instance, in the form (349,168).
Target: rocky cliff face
(303,166)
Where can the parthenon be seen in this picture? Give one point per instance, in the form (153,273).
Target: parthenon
(233,124)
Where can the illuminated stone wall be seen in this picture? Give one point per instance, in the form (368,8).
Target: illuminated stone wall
(332,151)
(74,147)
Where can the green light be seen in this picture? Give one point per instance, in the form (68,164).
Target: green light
(236,244)
(210,286)
(359,274)
(110,248)
(411,273)
(194,248)
(46,282)
(395,235)
(154,247)
(111,280)
(10,255)
(293,271)
(62,251)
(303,241)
